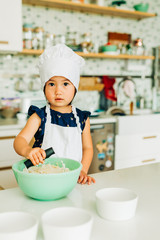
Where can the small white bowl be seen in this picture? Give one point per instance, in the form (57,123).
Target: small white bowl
(67,223)
(18,226)
(116,203)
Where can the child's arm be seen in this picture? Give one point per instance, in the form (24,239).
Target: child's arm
(87,149)
(21,142)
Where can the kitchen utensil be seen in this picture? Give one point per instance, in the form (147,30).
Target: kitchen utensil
(131,107)
(115,111)
(67,223)
(20,85)
(142,7)
(18,225)
(109,87)
(48,151)
(116,203)
(34,84)
(48,186)
(126,88)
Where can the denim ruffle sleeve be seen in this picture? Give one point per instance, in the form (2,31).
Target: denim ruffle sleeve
(40,111)
(40,132)
(83,115)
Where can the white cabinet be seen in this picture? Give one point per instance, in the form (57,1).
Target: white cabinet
(135,150)
(10,25)
(138,124)
(138,141)
(8,155)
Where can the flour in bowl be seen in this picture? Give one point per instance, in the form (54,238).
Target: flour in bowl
(46,169)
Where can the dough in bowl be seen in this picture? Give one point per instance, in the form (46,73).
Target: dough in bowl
(46,169)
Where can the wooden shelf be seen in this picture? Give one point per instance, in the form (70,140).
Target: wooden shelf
(90,84)
(119,56)
(97,87)
(92,55)
(31,52)
(90,8)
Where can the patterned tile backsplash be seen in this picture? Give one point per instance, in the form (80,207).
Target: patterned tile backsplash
(16,67)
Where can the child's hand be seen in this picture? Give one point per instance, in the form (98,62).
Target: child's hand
(36,155)
(84,178)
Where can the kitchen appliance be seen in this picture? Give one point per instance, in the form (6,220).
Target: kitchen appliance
(103,137)
(126,93)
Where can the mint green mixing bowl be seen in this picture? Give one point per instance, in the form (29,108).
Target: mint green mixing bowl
(48,186)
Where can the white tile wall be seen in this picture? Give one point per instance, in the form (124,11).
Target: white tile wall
(61,21)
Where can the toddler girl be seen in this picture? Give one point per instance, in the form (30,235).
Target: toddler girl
(59,124)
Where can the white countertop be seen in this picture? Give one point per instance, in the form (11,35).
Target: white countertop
(103,119)
(13,123)
(10,127)
(144,180)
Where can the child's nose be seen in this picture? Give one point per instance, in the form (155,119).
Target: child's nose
(58,89)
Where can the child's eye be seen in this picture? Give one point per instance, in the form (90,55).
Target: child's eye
(51,84)
(66,83)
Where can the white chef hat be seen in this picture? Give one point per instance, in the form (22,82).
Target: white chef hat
(60,60)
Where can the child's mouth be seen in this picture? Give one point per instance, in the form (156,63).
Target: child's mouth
(59,99)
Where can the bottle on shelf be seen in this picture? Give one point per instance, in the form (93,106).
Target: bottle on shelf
(39,35)
(49,40)
(27,35)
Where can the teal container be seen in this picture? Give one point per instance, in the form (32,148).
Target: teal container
(109,48)
(48,186)
(142,7)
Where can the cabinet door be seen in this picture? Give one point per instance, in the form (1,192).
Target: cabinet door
(142,124)
(129,146)
(8,155)
(137,161)
(10,25)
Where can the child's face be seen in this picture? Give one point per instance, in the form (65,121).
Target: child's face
(59,91)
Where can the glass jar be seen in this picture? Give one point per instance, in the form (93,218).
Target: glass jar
(86,42)
(35,43)
(72,38)
(60,39)
(27,35)
(139,48)
(49,40)
(39,35)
